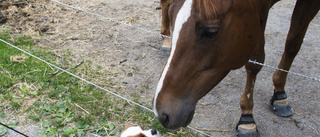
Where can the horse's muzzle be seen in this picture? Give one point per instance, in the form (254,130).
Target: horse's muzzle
(173,122)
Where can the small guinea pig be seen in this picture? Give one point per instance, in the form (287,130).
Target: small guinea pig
(137,131)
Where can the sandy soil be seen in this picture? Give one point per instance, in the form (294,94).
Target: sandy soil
(107,44)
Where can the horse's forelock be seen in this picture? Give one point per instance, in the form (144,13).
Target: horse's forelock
(206,8)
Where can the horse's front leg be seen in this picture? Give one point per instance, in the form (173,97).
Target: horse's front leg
(165,27)
(246,125)
(304,12)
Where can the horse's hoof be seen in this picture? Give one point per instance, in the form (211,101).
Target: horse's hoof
(166,46)
(251,130)
(280,106)
(283,110)
(166,51)
(248,135)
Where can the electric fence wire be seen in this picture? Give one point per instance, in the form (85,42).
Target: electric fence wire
(13,129)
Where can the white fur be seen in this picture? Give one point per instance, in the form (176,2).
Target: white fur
(182,17)
(133,131)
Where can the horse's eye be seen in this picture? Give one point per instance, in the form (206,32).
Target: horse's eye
(209,32)
(142,136)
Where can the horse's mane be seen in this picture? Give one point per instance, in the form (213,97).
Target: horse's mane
(168,3)
(206,8)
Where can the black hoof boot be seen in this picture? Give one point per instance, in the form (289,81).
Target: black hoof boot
(247,119)
(281,109)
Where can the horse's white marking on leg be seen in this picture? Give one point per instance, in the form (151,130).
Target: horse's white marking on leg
(182,17)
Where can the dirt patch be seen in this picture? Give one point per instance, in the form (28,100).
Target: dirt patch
(3,18)
(135,56)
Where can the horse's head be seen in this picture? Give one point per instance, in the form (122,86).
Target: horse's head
(209,38)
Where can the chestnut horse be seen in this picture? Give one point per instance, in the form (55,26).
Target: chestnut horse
(211,38)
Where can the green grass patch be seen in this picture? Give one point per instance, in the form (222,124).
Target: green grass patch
(62,104)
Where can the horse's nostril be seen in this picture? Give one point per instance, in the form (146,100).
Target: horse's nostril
(165,119)
(153,132)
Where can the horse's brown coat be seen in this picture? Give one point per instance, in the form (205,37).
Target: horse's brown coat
(199,64)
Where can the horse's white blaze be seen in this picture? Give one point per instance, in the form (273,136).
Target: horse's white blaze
(182,17)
